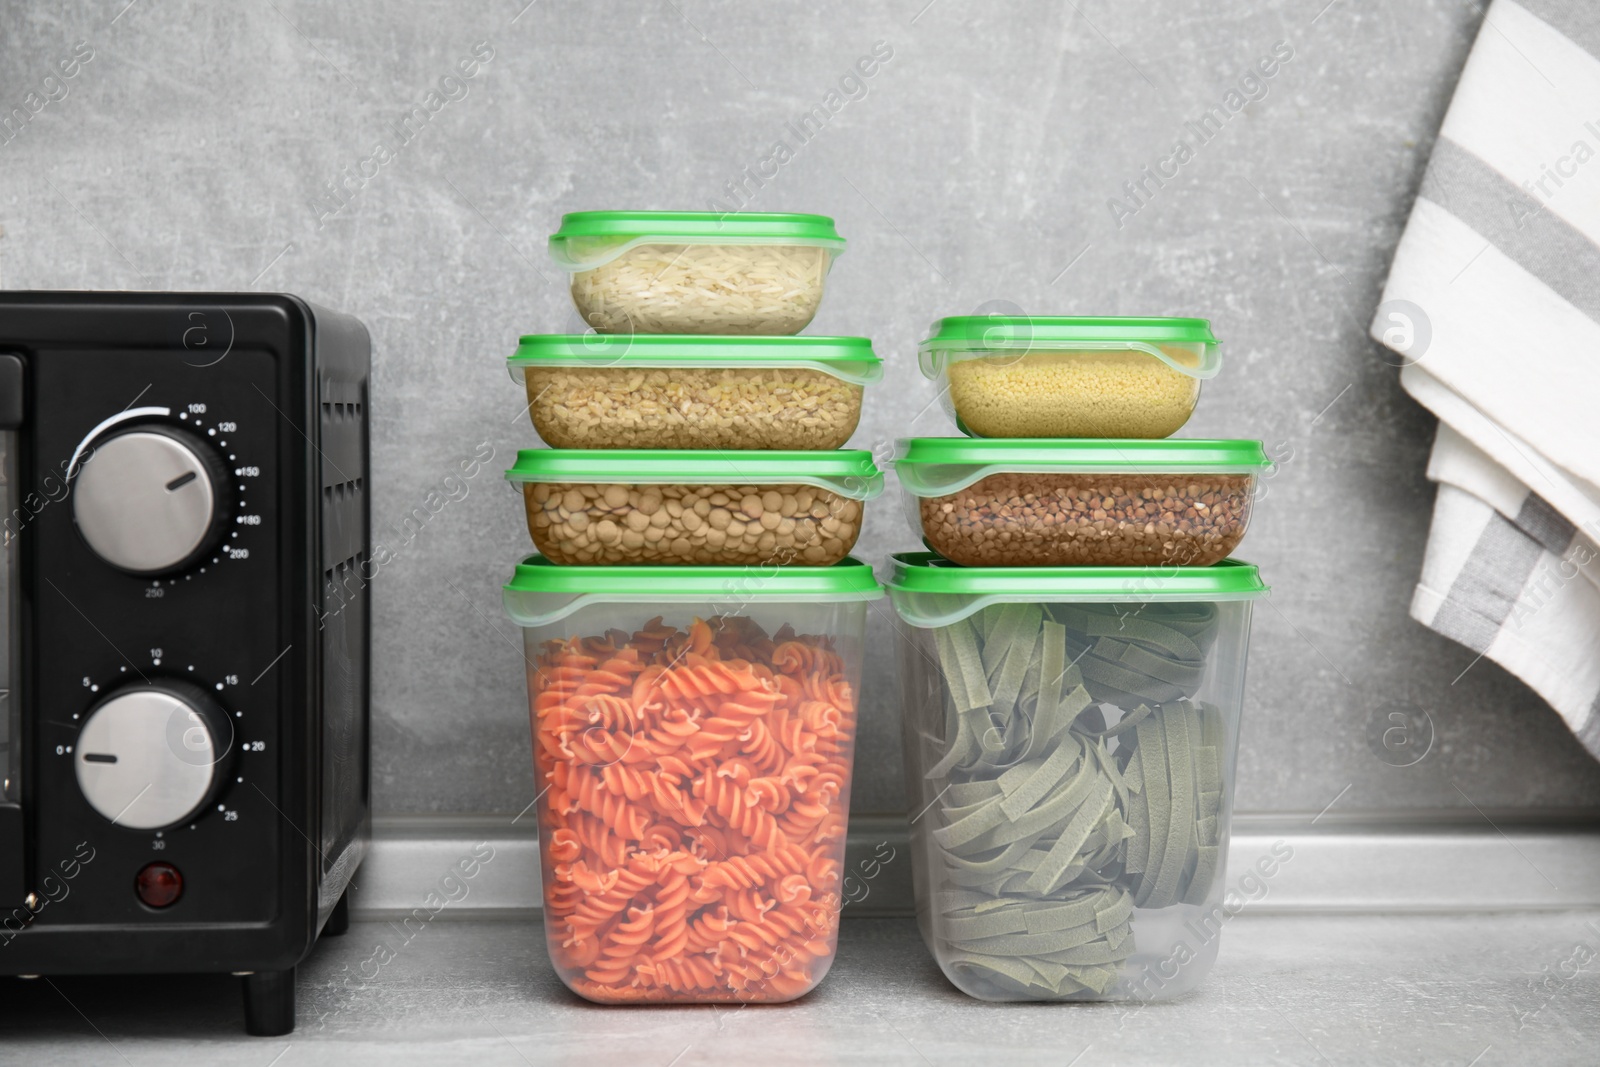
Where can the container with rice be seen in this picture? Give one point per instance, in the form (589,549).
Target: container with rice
(696,272)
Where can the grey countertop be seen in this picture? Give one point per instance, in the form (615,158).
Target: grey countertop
(1324,989)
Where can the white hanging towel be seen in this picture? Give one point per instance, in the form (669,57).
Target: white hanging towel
(1493,303)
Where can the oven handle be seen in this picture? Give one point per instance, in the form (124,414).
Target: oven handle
(13,843)
(11,402)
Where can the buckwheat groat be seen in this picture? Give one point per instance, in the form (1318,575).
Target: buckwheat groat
(1052,520)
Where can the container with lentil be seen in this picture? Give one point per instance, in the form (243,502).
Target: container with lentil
(1070,735)
(1054,503)
(700,272)
(693,739)
(698,507)
(1057,376)
(676,391)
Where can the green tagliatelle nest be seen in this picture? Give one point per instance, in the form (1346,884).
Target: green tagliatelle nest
(1048,834)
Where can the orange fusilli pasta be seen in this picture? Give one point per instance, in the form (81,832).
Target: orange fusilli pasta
(695,788)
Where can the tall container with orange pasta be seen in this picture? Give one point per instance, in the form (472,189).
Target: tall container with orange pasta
(693,730)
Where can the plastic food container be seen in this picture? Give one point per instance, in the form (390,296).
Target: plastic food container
(693,730)
(672,391)
(1070,736)
(704,507)
(1054,503)
(696,271)
(1029,376)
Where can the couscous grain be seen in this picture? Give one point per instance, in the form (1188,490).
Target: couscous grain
(1070,394)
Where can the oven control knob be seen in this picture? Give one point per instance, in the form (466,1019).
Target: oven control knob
(150,756)
(149,500)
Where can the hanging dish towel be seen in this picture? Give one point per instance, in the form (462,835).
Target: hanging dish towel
(1493,306)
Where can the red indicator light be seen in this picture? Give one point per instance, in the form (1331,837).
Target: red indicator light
(159,885)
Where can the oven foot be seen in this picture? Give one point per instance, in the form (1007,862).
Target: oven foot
(338,919)
(269,1003)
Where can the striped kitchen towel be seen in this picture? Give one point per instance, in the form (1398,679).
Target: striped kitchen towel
(1514,580)
(1493,305)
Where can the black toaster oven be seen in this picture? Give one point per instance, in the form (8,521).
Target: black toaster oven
(184,665)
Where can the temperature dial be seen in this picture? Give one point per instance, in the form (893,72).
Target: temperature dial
(150,756)
(149,500)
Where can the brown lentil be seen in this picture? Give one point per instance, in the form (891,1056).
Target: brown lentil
(1054,520)
(692,407)
(712,524)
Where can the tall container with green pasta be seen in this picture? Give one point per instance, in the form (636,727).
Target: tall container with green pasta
(1070,737)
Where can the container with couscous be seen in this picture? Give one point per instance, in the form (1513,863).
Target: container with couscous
(1057,376)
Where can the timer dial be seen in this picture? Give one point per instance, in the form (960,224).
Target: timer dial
(150,756)
(149,500)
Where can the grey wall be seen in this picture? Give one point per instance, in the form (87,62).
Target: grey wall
(192,150)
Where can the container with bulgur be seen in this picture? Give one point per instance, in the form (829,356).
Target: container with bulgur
(697,507)
(699,272)
(1053,503)
(1032,376)
(676,391)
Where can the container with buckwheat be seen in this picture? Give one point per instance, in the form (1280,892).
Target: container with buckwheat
(1078,502)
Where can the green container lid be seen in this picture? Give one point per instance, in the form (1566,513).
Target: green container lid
(934,466)
(588,239)
(973,336)
(929,590)
(850,359)
(848,472)
(541,592)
